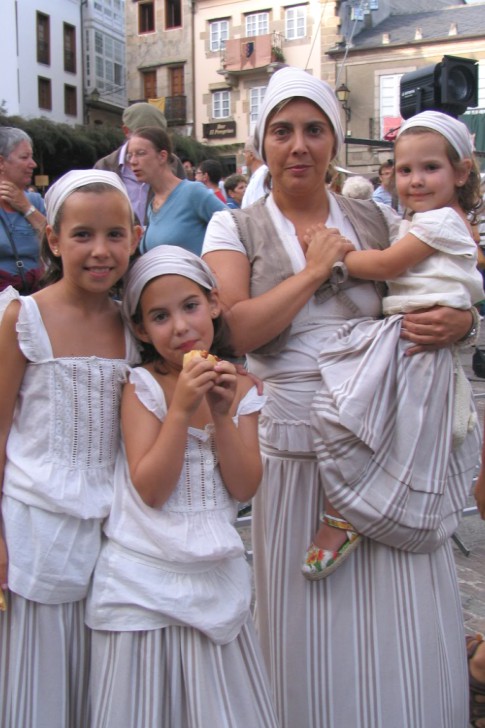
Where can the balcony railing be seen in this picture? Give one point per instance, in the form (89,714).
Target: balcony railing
(252,52)
(175,110)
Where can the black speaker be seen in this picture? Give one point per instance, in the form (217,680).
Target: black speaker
(450,86)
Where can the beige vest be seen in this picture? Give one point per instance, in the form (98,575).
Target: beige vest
(270,263)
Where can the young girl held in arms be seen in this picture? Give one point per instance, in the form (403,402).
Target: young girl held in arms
(408,421)
(173,642)
(65,354)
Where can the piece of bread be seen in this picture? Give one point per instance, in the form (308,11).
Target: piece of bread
(3,605)
(199,354)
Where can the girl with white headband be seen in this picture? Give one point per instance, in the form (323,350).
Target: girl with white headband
(65,354)
(403,416)
(379,643)
(173,643)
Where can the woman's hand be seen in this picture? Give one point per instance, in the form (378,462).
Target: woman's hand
(325,246)
(435,328)
(221,396)
(14,196)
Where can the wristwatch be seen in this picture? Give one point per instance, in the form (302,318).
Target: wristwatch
(472,334)
(30,211)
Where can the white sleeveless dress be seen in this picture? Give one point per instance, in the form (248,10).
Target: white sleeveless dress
(173,640)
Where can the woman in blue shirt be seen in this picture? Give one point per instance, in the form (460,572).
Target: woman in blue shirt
(179,210)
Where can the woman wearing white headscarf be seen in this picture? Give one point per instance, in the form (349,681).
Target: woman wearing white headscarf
(380,642)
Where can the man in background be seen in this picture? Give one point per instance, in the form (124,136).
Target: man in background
(384,193)
(258,170)
(209,172)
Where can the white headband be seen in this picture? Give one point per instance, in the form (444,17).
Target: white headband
(71,182)
(161,261)
(288,83)
(454,131)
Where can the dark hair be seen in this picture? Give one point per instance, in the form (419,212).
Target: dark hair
(213,169)
(53,270)
(231,182)
(156,136)
(220,344)
(469,195)
(388,164)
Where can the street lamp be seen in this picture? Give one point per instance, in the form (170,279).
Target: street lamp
(343,93)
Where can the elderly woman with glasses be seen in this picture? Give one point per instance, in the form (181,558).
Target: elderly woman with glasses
(22,213)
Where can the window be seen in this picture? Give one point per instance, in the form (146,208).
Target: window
(109,65)
(146,17)
(481,84)
(45,93)
(43,39)
(221,104)
(219,33)
(256,95)
(389,98)
(150,85)
(177,81)
(70,100)
(69,48)
(257,24)
(173,13)
(295,22)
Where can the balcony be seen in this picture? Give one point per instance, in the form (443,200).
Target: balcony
(241,55)
(175,110)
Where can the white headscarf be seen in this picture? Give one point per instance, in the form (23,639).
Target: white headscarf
(72,181)
(161,261)
(454,131)
(288,83)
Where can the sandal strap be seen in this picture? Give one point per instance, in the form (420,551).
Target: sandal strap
(335,522)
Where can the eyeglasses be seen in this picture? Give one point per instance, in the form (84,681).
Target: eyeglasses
(137,155)
(197,171)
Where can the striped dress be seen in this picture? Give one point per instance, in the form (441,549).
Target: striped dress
(173,643)
(380,642)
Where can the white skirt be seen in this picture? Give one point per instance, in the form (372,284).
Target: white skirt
(44,662)
(175,677)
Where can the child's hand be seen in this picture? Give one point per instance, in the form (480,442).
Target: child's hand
(325,246)
(479,493)
(195,380)
(221,396)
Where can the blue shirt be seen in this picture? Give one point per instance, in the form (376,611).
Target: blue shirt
(26,239)
(182,219)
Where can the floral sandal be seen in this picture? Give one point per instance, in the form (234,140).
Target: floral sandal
(477,688)
(319,562)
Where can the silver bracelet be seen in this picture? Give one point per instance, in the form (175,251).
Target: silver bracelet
(30,211)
